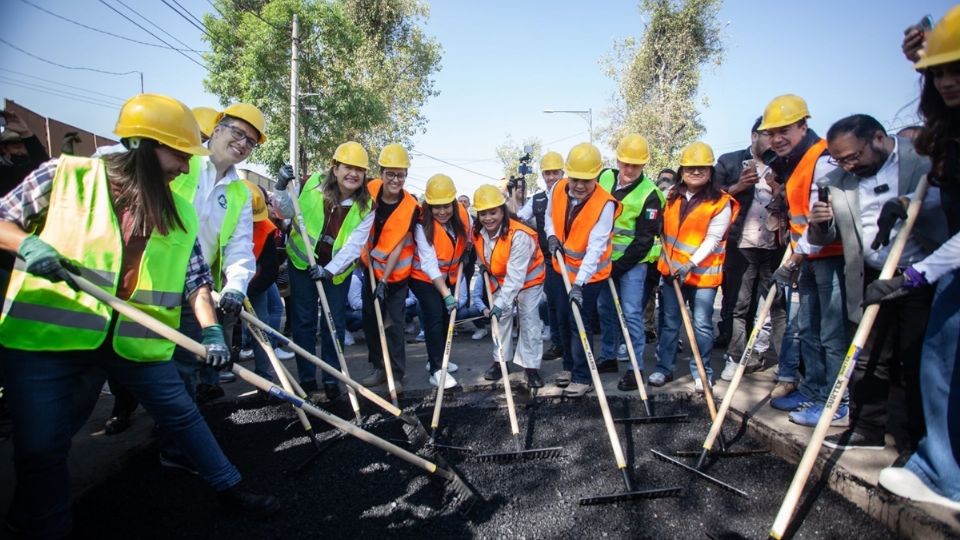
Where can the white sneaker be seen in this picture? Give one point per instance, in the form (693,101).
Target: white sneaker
(480,334)
(283,354)
(348,338)
(448,381)
(698,384)
(729,369)
(904,483)
(246,354)
(545,333)
(421,337)
(451,367)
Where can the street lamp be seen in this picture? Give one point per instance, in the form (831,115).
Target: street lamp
(586,115)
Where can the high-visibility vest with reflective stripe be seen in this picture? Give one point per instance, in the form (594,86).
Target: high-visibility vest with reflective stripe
(237,194)
(394,232)
(314,216)
(681,240)
(43,316)
(448,252)
(497,265)
(576,239)
(625,228)
(798,188)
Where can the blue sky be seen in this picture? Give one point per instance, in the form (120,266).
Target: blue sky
(503,64)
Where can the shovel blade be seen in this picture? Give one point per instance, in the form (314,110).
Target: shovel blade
(636,495)
(521,455)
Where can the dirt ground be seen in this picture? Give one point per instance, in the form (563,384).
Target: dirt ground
(355,489)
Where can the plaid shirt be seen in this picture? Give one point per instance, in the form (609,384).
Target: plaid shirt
(26,205)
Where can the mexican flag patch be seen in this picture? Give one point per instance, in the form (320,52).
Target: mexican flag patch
(651,213)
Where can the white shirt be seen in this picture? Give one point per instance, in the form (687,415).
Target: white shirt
(945,259)
(210,202)
(521,251)
(426,253)
(355,293)
(715,230)
(755,233)
(596,243)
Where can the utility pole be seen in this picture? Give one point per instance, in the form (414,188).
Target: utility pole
(294,96)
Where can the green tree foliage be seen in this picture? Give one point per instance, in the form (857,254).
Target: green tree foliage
(658,75)
(509,153)
(366,68)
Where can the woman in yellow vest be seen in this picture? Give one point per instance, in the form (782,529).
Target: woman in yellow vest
(336,209)
(389,250)
(695,223)
(116,222)
(513,265)
(442,241)
(580,225)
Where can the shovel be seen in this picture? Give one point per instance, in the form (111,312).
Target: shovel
(387,365)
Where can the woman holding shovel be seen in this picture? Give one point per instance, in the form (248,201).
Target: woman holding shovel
(695,222)
(115,221)
(512,264)
(442,241)
(337,213)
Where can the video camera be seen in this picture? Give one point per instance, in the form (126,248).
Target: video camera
(523,169)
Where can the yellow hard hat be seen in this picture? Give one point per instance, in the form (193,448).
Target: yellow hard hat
(440,190)
(551,161)
(783,111)
(697,154)
(206,119)
(163,119)
(943,42)
(352,153)
(257,203)
(487,197)
(249,114)
(584,162)
(394,156)
(633,149)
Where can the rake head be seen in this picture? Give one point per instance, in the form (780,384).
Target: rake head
(700,473)
(632,496)
(416,434)
(449,448)
(664,419)
(520,455)
(464,495)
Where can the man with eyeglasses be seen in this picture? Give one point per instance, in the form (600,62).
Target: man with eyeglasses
(801,158)
(223,205)
(868,194)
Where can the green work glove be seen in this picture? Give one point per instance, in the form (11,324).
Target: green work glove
(218,354)
(449,302)
(44,261)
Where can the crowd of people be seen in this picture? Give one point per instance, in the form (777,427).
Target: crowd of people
(164,219)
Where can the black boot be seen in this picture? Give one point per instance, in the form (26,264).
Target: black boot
(533,378)
(117,424)
(332,390)
(248,503)
(492,374)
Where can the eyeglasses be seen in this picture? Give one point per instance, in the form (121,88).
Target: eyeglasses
(239,135)
(391,176)
(581,180)
(696,171)
(847,160)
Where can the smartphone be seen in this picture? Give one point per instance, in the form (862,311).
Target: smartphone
(823,193)
(926,23)
(747,163)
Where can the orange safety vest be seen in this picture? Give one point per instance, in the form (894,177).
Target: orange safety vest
(798,200)
(395,231)
(682,238)
(448,251)
(497,265)
(575,239)
(261,230)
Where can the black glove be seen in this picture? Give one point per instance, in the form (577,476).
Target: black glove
(381,291)
(231,301)
(218,354)
(784,277)
(681,273)
(449,302)
(43,260)
(318,273)
(284,176)
(576,295)
(884,289)
(555,245)
(891,211)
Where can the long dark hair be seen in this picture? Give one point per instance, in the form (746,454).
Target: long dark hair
(504,225)
(711,191)
(426,220)
(139,187)
(939,139)
(333,197)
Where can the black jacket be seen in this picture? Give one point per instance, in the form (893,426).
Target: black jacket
(728,169)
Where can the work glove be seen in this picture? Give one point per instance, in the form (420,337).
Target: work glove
(783,277)
(555,245)
(576,295)
(319,273)
(449,302)
(284,176)
(231,301)
(891,211)
(882,290)
(465,256)
(43,260)
(218,354)
(380,292)
(681,273)
(496,312)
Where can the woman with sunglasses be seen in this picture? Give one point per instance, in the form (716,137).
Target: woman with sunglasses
(512,264)
(442,242)
(695,222)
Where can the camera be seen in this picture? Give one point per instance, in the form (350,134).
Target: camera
(523,169)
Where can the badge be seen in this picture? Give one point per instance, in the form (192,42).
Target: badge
(222,199)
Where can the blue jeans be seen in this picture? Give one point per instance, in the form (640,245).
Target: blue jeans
(701,302)
(574,357)
(433,320)
(303,294)
(937,459)
(552,280)
(51,394)
(630,290)
(789,357)
(269,308)
(822,325)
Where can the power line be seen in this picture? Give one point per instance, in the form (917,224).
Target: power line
(112,107)
(51,62)
(151,33)
(188,19)
(257,15)
(185,10)
(6,79)
(63,84)
(155,25)
(417,152)
(118,36)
